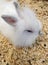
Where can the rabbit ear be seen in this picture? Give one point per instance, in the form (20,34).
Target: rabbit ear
(9,19)
(17,7)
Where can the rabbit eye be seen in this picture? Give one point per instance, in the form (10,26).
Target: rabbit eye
(30,31)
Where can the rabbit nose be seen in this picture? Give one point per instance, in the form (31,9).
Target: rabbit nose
(40,33)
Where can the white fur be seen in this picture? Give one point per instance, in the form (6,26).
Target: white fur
(17,34)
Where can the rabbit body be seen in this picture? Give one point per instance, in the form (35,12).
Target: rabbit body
(24,30)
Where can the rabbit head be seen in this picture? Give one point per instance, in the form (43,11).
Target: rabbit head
(26,26)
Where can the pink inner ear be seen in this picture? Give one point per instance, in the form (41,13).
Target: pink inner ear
(11,20)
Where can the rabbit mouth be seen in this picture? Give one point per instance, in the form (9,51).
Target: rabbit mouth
(40,33)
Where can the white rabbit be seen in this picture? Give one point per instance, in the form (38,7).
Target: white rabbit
(22,27)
